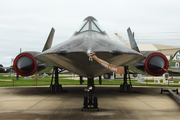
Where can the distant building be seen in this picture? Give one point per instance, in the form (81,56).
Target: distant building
(169,51)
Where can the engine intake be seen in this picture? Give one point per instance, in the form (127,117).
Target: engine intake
(25,64)
(156,64)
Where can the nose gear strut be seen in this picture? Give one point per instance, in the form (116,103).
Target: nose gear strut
(90,102)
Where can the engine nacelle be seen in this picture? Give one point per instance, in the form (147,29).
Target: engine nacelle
(155,64)
(25,64)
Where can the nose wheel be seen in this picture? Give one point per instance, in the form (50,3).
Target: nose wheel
(90,102)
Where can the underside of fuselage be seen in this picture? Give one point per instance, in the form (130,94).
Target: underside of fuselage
(81,64)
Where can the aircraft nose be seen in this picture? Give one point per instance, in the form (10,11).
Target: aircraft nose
(89,44)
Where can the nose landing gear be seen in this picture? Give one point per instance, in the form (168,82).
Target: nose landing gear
(90,102)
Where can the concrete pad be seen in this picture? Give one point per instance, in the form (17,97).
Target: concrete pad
(39,103)
(16,105)
(46,105)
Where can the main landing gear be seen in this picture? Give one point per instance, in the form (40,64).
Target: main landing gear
(56,87)
(90,102)
(125,87)
(81,80)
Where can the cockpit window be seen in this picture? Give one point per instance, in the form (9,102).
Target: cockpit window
(82,24)
(98,25)
(85,28)
(88,25)
(94,28)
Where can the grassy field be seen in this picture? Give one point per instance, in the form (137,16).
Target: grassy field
(6,80)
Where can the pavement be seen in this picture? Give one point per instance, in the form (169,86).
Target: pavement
(37,102)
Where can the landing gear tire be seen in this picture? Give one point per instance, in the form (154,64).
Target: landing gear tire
(85,102)
(95,102)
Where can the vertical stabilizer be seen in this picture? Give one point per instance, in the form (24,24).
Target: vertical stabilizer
(132,40)
(49,40)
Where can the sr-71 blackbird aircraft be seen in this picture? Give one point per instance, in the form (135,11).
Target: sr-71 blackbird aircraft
(90,53)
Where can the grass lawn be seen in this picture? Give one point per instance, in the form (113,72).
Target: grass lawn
(6,80)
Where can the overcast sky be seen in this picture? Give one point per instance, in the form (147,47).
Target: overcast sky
(26,23)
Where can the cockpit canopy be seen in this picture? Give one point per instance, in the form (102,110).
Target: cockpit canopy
(90,24)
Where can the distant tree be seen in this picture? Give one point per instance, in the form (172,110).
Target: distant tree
(1,65)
